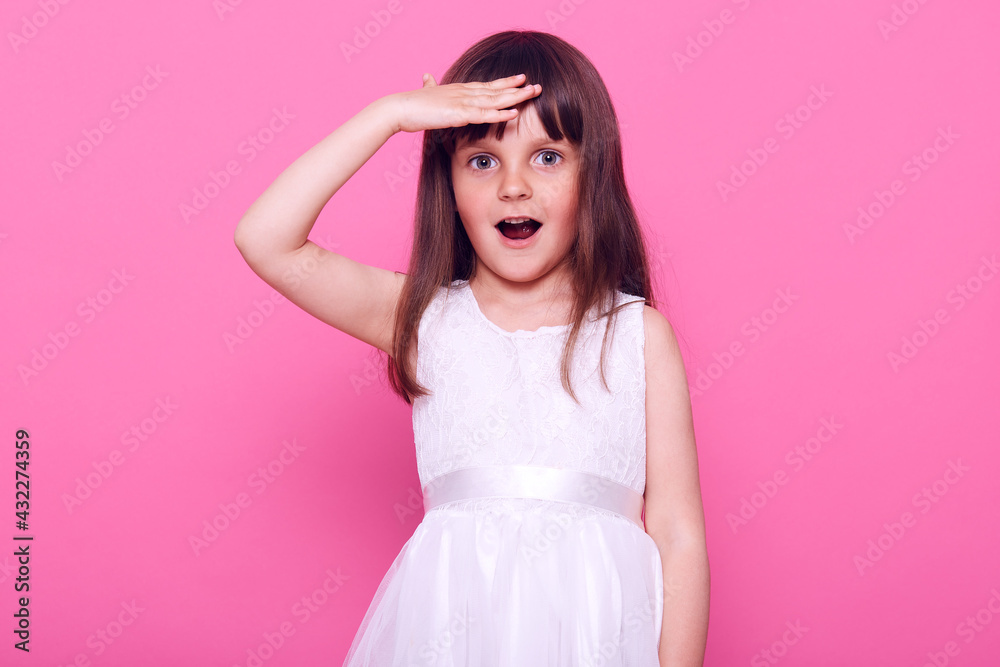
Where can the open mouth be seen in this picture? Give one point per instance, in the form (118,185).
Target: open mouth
(519,227)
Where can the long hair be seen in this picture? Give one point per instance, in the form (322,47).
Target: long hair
(609,253)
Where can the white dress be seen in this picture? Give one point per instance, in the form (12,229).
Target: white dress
(531,550)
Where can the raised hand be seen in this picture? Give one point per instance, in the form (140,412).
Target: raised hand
(456,104)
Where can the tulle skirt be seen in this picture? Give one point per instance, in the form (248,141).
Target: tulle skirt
(498,582)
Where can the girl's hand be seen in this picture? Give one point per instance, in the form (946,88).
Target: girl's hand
(456,104)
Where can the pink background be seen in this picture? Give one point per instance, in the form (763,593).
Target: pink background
(163,333)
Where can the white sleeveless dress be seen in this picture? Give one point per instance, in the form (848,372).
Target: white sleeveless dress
(532,550)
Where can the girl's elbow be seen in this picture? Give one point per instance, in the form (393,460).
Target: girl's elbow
(240,238)
(245,243)
(688,538)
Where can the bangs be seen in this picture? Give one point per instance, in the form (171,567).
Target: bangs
(558,106)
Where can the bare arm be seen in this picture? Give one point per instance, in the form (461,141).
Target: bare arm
(273,234)
(281,218)
(674,513)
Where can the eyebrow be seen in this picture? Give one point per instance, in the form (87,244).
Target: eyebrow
(490,140)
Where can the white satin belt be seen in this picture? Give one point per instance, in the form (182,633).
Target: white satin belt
(541,482)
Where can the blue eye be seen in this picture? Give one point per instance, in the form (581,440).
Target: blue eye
(478,162)
(549,158)
(555,158)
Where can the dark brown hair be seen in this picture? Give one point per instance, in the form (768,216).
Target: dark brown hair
(609,253)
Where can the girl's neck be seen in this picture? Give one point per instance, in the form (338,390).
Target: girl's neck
(527,306)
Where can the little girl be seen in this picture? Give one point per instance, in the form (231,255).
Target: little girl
(563,518)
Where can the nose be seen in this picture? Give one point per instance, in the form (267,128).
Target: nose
(514,185)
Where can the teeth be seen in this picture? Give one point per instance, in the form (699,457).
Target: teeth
(516,221)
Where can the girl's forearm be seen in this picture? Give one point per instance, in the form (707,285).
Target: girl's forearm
(686,583)
(280,220)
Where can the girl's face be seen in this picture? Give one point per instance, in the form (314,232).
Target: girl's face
(526,175)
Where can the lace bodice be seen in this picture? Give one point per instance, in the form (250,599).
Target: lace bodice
(498,398)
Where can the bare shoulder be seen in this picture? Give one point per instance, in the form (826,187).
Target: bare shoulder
(661,343)
(666,377)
